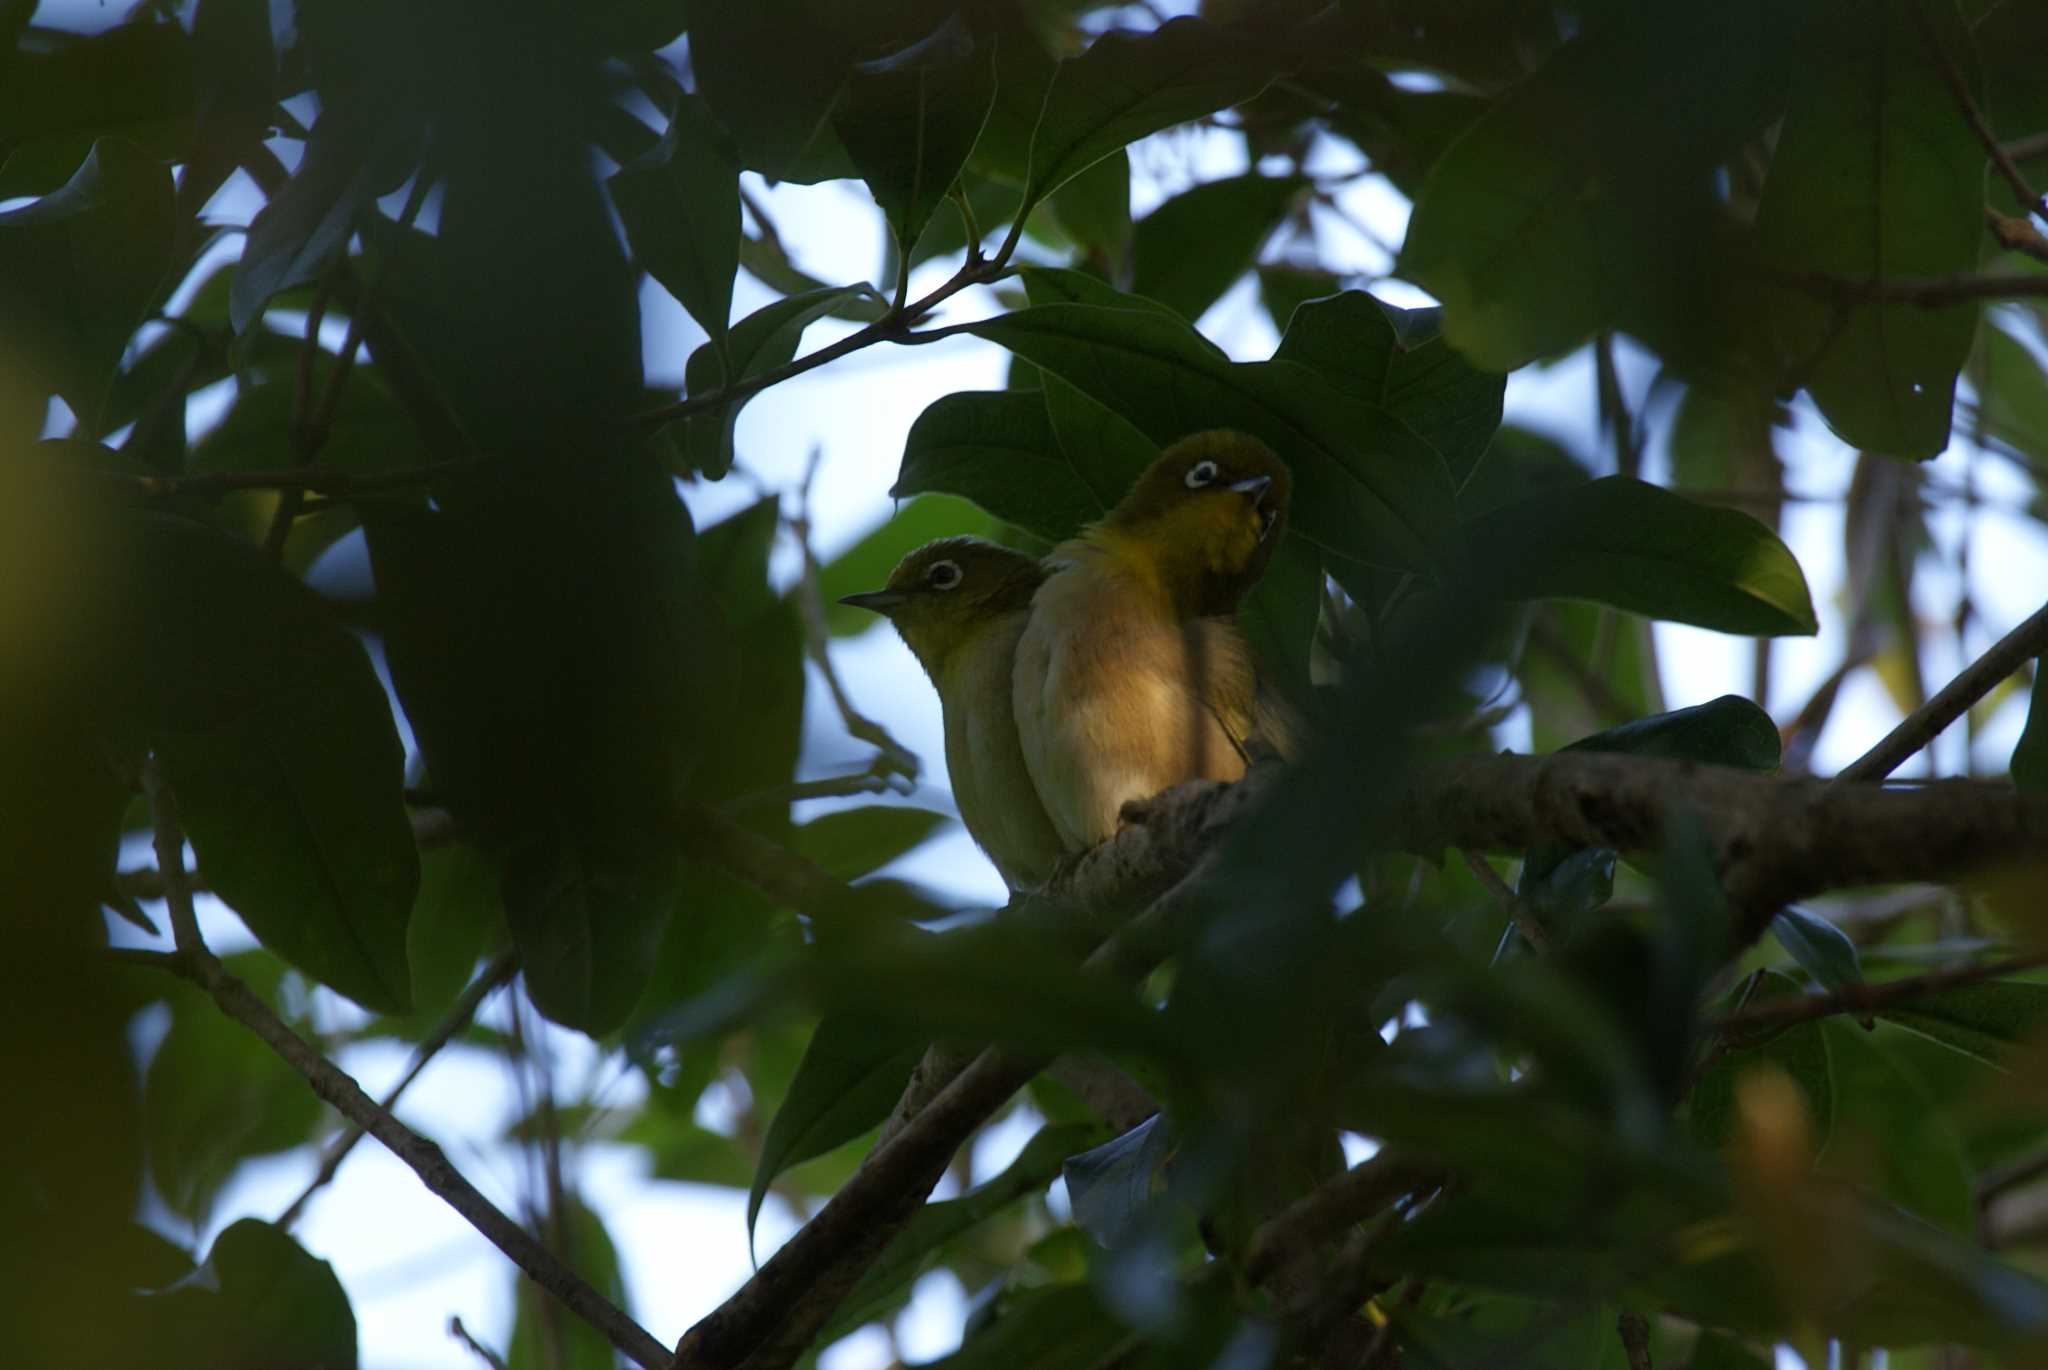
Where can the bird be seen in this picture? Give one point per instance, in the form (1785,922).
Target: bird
(960,604)
(1131,674)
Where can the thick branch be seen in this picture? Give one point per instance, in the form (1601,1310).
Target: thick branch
(1352,1197)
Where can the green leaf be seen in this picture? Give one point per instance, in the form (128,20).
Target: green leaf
(216,1095)
(867,563)
(1128,85)
(1060,1324)
(759,343)
(1279,616)
(305,228)
(922,1241)
(455,920)
(783,125)
(1285,287)
(1552,215)
(855,842)
(1402,132)
(1501,1330)
(1801,1051)
(1875,176)
(274,733)
(1094,208)
(1101,447)
(1111,1185)
(1637,547)
(910,120)
(1719,1351)
(998,449)
(1882,1109)
(680,204)
(80,268)
(259,1299)
(1188,251)
(1397,359)
(851,1075)
(2012,389)
(134,81)
(1991,1021)
(1365,487)
(1818,945)
(2030,754)
(587,914)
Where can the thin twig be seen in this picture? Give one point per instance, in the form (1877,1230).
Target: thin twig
(1533,932)
(169,836)
(1866,999)
(1979,678)
(338,484)
(1927,292)
(2015,234)
(458,1018)
(2028,148)
(1358,1194)
(476,1348)
(1953,78)
(831,787)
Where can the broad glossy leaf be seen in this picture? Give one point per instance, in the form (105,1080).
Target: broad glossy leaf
(1285,287)
(1060,1324)
(998,449)
(259,1299)
(867,563)
(759,343)
(1497,1330)
(538,1342)
(2030,753)
(455,920)
(134,81)
(680,204)
(1396,358)
(1637,547)
(1401,131)
(1101,446)
(1188,251)
(80,267)
(1279,616)
(850,843)
(1886,1125)
(909,122)
(1876,175)
(783,124)
(1728,731)
(851,1075)
(1094,209)
(586,912)
(1991,1020)
(1550,216)
(1365,487)
(1801,1051)
(1128,85)
(1823,949)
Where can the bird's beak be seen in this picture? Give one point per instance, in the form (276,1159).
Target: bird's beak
(876,601)
(1252,487)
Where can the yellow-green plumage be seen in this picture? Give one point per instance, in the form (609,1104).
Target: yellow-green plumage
(963,627)
(1131,676)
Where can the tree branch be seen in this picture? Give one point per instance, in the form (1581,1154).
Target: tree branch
(1787,1009)
(1350,1198)
(1926,292)
(1957,87)
(2008,654)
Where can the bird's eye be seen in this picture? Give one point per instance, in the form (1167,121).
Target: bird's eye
(943,575)
(1201,474)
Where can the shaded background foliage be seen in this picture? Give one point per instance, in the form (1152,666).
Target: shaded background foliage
(437,311)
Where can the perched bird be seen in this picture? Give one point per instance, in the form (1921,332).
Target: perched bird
(960,604)
(1131,675)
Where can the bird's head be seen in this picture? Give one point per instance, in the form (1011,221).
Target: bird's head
(1208,512)
(944,594)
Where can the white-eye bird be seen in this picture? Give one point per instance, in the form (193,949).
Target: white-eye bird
(960,605)
(1131,675)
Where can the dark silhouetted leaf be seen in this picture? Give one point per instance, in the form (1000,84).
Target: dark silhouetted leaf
(1187,252)
(259,1299)
(680,204)
(855,842)
(997,448)
(2030,753)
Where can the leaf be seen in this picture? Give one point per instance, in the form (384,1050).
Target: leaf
(1818,945)
(80,267)
(1719,1351)
(1876,176)
(586,913)
(1991,1020)
(909,121)
(259,1299)
(922,1241)
(1187,252)
(2030,754)
(1801,1051)
(305,228)
(764,340)
(1365,487)
(1501,1330)
(134,81)
(216,1095)
(998,449)
(455,920)
(275,735)
(854,842)
(1553,214)
(680,205)
(1094,209)
(1128,85)
(867,563)
(1396,358)
(539,1340)
(782,126)
(1059,1324)
(1883,1114)
(1111,1185)
(1728,731)
(1637,547)
(1279,617)
(851,1075)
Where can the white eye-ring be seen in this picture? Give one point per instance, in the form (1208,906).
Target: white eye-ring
(1201,474)
(943,575)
